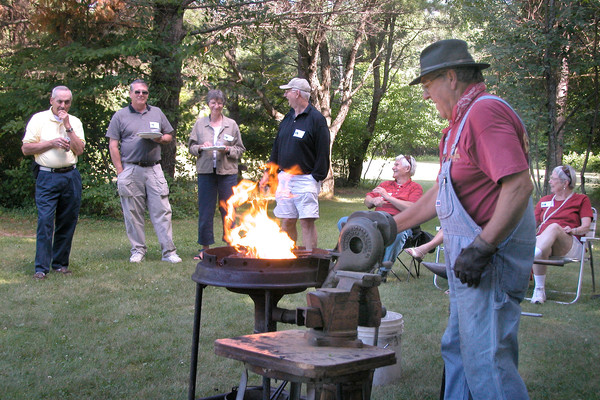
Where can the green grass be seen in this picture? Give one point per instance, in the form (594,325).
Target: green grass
(113,330)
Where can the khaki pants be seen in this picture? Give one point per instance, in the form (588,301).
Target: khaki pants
(141,188)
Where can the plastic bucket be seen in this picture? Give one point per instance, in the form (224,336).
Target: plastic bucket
(390,335)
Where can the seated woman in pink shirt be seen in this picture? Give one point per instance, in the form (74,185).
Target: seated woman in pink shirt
(562,218)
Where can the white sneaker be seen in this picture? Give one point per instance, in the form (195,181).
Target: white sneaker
(136,257)
(173,258)
(539,296)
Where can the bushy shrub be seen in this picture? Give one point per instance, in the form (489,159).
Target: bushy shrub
(183,196)
(101,199)
(576,161)
(17,186)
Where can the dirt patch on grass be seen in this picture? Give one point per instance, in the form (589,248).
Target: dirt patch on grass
(16,227)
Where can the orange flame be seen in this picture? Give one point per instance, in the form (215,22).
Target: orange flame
(253,233)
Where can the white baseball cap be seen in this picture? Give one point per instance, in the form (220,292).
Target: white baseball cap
(298,84)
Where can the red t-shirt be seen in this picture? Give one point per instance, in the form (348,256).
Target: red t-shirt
(409,191)
(570,214)
(493,144)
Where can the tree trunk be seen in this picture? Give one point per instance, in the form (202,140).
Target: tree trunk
(381,47)
(596,104)
(554,152)
(165,78)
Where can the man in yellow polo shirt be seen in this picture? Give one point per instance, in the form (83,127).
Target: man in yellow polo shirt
(55,138)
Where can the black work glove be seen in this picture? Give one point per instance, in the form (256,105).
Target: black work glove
(472,260)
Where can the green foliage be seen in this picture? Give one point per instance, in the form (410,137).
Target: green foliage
(17,188)
(576,161)
(405,125)
(183,196)
(99,197)
(88,52)
(524,51)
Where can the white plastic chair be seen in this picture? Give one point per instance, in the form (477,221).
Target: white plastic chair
(586,255)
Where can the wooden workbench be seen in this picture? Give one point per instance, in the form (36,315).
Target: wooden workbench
(286,355)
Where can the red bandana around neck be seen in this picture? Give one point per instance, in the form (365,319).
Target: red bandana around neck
(463,103)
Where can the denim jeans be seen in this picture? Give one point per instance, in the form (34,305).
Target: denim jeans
(58,198)
(209,187)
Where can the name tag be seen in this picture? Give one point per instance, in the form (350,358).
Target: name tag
(299,134)
(546,204)
(155,126)
(229,138)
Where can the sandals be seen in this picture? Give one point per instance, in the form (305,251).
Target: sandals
(415,253)
(200,255)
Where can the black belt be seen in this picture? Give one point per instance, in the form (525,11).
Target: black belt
(59,170)
(146,163)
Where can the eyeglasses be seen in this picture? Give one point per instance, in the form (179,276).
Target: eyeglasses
(425,86)
(144,92)
(408,158)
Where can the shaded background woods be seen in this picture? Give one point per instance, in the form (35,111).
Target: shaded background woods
(357,55)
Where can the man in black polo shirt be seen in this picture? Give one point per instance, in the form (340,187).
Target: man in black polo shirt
(141,129)
(301,151)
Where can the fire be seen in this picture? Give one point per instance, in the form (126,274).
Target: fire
(254,233)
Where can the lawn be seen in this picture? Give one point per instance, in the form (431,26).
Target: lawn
(115,330)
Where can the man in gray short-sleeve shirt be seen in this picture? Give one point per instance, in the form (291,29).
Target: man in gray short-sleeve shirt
(140,129)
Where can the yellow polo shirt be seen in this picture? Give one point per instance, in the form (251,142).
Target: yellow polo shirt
(44,126)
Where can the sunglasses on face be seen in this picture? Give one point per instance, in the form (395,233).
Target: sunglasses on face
(144,92)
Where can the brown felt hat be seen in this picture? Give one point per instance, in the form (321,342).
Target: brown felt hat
(446,54)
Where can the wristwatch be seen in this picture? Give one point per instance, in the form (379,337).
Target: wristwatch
(69,130)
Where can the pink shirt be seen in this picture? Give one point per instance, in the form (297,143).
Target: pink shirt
(567,214)
(492,145)
(409,191)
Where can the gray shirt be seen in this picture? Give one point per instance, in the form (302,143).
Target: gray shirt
(127,123)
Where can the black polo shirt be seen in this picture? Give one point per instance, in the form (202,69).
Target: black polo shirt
(303,141)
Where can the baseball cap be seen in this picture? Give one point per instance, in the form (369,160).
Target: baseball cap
(298,84)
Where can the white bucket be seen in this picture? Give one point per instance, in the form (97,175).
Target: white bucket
(390,335)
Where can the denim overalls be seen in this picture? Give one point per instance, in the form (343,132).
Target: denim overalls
(479,347)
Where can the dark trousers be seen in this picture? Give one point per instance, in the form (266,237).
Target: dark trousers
(209,186)
(58,198)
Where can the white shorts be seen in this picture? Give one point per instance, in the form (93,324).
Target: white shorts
(297,196)
(575,251)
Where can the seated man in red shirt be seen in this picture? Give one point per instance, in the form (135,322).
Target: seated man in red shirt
(393,197)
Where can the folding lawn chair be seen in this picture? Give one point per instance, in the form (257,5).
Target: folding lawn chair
(586,255)
(418,238)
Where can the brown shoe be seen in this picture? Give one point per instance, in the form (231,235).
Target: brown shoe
(63,270)
(39,275)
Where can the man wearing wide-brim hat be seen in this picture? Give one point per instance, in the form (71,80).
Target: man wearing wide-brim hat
(482,198)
